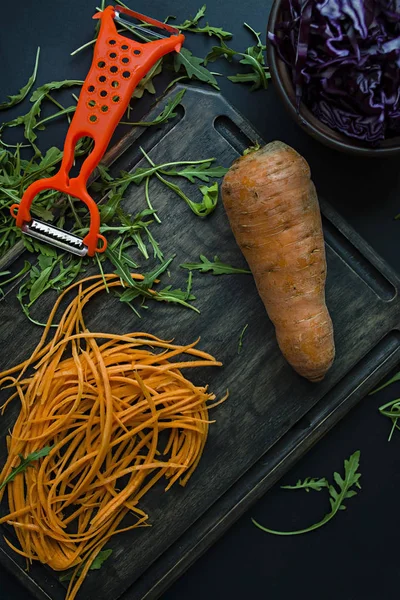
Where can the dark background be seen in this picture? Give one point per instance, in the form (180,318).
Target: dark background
(354,557)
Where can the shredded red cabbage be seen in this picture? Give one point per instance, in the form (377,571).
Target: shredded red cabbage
(344,56)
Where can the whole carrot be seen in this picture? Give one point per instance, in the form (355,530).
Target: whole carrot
(272,207)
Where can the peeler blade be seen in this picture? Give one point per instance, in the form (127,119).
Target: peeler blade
(118,10)
(55,236)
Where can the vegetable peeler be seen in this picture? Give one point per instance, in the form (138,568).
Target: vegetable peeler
(118,65)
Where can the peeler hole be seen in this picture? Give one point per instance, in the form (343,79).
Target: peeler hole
(93,118)
(115,98)
(91,103)
(125,60)
(125,47)
(137,52)
(104,108)
(103,93)
(115,84)
(112,54)
(114,69)
(91,88)
(103,245)
(112,42)
(102,78)
(14,210)
(126,74)
(101,64)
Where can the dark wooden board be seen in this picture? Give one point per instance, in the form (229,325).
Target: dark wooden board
(272,416)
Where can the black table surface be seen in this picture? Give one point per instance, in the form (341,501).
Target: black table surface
(353,557)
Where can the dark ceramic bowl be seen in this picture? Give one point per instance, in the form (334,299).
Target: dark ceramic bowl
(282,81)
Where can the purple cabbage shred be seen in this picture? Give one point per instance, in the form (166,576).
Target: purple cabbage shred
(344,57)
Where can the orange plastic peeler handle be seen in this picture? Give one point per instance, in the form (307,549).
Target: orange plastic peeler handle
(118,65)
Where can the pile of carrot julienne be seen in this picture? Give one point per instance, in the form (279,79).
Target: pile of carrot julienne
(117,415)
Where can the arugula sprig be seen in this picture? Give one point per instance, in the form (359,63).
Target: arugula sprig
(192,25)
(4,283)
(135,289)
(24,91)
(29,120)
(165,115)
(391,409)
(253,57)
(202,171)
(25,463)
(346,488)
(194,67)
(309,483)
(210,194)
(216,267)
(52,272)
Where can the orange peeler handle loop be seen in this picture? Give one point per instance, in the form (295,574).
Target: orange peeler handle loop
(118,65)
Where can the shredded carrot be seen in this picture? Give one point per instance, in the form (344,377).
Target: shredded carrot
(118,414)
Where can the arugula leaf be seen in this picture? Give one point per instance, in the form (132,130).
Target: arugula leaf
(25,269)
(210,195)
(392,411)
(165,115)
(43,168)
(140,174)
(29,120)
(240,343)
(148,201)
(25,463)
(146,83)
(150,278)
(140,288)
(193,26)
(193,67)
(193,22)
(24,91)
(212,31)
(202,171)
(131,230)
(136,289)
(258,80)
(60,113)
(220,51)
(176,296)
(102,556)
(210,198)
(253,57)
(217,267)
(200,209)
(121,268)
(308,484)
(40,284)
(54,271)
(337,496)
(100,559)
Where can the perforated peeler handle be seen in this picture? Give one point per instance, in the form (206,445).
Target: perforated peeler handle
(118,66)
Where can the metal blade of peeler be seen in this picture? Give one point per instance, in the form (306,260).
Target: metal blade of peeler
(55,236)
(119,9)
(140,28)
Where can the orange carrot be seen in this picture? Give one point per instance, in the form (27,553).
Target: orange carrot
(273,210)
(100,402)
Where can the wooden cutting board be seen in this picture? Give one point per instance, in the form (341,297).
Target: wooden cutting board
(272,415)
